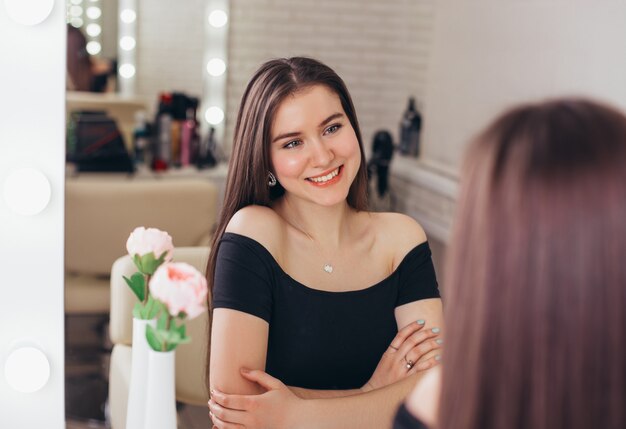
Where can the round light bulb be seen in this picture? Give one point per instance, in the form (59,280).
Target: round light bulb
(216,67)
(76,11)
(218,18)
(127,71)
(214,115)
(76,22)
(27,191)
(27,369)
(29,12)
(128,16)
(127,43)
(93,29)
(94,47)
(94,12)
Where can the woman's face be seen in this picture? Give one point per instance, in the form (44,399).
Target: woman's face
(313,149)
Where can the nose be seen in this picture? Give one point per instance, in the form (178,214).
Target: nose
(322,154)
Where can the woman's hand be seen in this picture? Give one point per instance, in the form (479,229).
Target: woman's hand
(274,409)
(406,355)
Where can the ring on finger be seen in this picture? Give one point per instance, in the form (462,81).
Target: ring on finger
(409,363)
(392,347)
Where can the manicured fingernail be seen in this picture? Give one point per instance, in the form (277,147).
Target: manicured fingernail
(435,330)
(439,341)
(421,322)
(438,358)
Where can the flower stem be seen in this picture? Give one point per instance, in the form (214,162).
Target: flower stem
(167,328)
(146,290)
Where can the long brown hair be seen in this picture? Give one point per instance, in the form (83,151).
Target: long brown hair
(79,66)
(536,275)
(247,181)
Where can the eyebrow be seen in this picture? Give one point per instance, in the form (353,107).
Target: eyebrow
(297,133)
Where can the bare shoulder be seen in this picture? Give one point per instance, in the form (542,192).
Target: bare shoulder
(399,233)
(259,223)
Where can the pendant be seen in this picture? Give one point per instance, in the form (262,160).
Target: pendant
(328,268)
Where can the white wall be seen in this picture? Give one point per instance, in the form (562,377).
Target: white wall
(487,55)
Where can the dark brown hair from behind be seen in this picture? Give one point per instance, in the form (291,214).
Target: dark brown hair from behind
(536,273)
(247,181)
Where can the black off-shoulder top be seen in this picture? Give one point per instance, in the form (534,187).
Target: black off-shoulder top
(318,339)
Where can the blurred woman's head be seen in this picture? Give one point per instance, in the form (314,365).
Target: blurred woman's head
(79,63)
(536,276)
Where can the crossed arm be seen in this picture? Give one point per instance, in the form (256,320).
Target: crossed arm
(257,400)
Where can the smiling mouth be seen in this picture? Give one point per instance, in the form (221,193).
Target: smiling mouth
(326,178)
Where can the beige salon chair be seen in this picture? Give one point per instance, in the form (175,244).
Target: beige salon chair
(101,211)
(190,358)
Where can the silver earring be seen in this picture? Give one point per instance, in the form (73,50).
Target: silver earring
(271,179)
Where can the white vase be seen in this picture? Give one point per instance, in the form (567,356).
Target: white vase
(161,396)
(136,407)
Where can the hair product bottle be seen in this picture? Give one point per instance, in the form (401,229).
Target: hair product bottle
(410,128)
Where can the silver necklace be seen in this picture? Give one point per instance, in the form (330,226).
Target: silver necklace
(328,267)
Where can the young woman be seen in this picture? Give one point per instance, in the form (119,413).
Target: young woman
(324,314)
(536,280)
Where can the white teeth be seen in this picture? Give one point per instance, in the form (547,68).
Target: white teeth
(326,178)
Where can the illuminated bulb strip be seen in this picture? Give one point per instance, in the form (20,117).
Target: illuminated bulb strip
(126,50)
(92,17)
(216,65)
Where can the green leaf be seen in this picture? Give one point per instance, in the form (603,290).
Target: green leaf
(137,284)
(153,338)
(162,321)
(149,263)
(161,258)
(137,261)
(137,313)
(152,308)
(181,330)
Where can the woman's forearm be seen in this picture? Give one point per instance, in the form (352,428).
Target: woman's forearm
(374,409)
(323,394)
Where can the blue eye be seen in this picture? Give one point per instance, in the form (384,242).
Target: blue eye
(292,144)
(332,129)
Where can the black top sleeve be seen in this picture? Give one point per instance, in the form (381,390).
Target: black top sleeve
(243,278)
(417,276)
(405,420)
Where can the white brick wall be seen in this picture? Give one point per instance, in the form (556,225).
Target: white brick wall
(380,49)
(170,47)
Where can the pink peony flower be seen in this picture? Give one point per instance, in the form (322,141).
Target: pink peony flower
(181,287)
(143,241)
